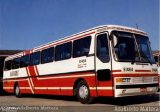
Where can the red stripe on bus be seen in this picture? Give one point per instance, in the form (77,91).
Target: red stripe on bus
(133,75)
(32,71)
(37,71)
(52,75)
(21,78)
(116,71)
(27,52)
(105,92)
(61,75)
(27,72)
(142,70)
(29,79)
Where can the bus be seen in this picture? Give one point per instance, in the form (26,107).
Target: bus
(108,60)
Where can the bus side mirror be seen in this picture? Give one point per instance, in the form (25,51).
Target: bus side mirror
(115,40)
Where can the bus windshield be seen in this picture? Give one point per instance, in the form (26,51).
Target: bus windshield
(132,48)
(144,49)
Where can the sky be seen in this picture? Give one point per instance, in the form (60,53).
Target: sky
(25,24)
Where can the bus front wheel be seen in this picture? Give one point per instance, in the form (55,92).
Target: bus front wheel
(83,93)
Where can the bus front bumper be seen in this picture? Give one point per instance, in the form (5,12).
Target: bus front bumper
(133,90)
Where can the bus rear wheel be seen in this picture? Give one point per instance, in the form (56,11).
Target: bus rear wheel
(17,91)
(83,93)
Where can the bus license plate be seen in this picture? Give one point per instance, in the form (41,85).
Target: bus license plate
(143,89)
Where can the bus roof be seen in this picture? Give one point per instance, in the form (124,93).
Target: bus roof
(97,29)
(100,28)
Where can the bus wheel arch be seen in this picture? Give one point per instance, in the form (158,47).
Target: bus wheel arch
(82,91)
(76,84)
(17,90)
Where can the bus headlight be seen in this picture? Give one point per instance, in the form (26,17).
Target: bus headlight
(126,80)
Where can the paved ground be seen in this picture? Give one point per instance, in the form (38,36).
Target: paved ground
(70,104)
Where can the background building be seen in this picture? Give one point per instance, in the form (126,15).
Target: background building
(156,55)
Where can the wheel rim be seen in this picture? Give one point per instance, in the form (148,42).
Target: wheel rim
(17,90)
(83,91)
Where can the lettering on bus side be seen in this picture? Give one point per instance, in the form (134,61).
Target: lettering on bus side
(82,63)
(14,73)
(128,69)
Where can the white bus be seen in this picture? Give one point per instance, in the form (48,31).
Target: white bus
(108,60)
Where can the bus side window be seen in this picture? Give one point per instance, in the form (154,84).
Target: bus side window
(35,58)
(8,65)
(47,55)
(81,47)
(102,48)
(63,51)
(24,61)
(15,63)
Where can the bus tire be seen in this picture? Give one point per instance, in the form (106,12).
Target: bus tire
(83,93)
(17,91)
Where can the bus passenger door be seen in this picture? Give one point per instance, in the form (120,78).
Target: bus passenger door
(103,65)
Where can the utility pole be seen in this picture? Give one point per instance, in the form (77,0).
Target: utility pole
(136,25)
